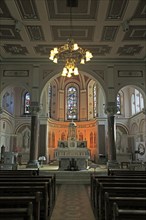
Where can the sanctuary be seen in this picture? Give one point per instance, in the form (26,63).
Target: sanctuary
(72,154)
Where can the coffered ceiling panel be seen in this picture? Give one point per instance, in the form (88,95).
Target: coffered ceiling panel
(110,29)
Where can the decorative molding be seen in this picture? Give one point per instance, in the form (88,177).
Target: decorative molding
(135,33)
(46,73)
(35,108)
(109,33)
(35,33)
(144,111)
(15,49)
(133,73)
(111,108)
(100,73)
(116,10)
(23,7)
(16,73)
(129,50)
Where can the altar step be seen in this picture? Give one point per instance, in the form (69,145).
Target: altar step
(72,177)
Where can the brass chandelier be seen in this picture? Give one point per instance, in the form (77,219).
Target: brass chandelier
(71,54)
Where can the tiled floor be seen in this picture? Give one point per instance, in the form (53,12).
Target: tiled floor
(72,203)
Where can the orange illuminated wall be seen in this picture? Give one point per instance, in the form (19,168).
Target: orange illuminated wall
(85,131)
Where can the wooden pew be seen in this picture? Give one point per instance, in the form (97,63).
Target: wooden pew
(50,179)
(114,191)
(126,172)
(23,189)
(95,180)
(113,183)
(25,213)
(30,172)
(21,201)
(113,188)
(128,214)
(124,202)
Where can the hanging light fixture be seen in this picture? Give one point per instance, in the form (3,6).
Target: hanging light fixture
(70,53)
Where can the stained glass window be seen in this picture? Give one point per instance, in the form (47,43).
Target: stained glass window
(49,100)
(94,100)
(119,104)
(72,103)
(27,103)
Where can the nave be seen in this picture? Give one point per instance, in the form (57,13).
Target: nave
(119,194)
(73,203)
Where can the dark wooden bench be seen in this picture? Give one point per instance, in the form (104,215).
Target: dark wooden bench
(114,191)
(124,202)
(21,201)
(19,213)
(95,180)
(30,172)
(50,179)
(128,214)
(28,188)
(126,172)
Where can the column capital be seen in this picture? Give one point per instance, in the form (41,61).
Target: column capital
(1,110)
(35,108)
(144,111)
(111,110)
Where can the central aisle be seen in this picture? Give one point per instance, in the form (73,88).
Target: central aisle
(72,203)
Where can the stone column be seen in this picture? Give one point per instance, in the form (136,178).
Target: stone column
(112,162)
(33,160)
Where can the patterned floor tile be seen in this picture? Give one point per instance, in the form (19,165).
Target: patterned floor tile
(72,203)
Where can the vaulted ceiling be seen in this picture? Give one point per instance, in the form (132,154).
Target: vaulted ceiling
(113,30)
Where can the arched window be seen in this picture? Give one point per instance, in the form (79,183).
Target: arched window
(80,137)
(49,100)
(137,102)
(27,103)
(141,102)
(63,136)
(94,100)
(72,103)
(119,104)
(133,104)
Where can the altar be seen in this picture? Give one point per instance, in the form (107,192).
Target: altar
(72,154)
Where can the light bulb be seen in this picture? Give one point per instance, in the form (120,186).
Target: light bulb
(88,54)
(69,75)
(63,74)
(64,70)
(55,60)
(87,58)
(51,57)
(52,51)
(55,50)
(82,61)
(70,70)
(76,47)
(76,71)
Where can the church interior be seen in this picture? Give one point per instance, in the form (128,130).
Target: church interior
(57,110)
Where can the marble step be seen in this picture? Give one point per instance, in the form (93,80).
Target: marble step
(72,177)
